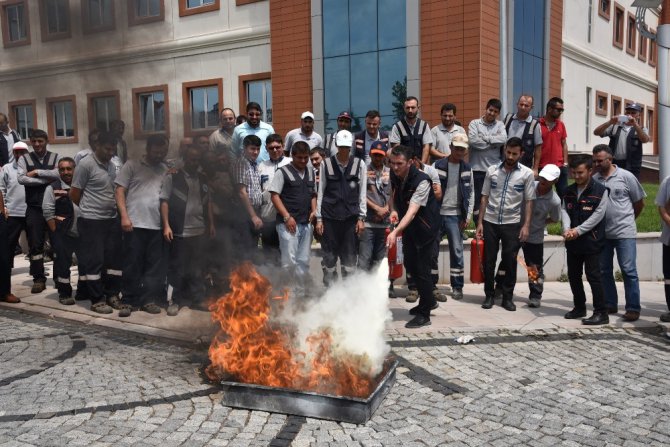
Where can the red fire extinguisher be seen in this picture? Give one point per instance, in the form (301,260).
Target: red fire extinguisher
(395,259)
(477,261)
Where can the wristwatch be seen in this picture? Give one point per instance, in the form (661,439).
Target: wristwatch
(287,218)
(362,219)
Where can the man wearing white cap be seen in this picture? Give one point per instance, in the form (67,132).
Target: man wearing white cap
(341,208)
(626,138)
(303,133)
(15,204)
(546,210)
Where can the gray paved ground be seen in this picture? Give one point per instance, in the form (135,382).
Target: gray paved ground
(72,384)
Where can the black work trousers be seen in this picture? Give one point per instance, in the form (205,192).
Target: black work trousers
(100,259)
(185,271)
(533,254)
(144,267)
(5,266)
(339,241)
(64,246)
(496,235)
(36,228)
(15,225)
(419,257)
(589,264)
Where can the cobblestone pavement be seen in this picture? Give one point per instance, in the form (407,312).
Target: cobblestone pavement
(70,384)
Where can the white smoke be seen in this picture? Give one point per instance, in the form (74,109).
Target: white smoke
(355,312)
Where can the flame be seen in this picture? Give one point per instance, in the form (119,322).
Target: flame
(533,272)
(253,349)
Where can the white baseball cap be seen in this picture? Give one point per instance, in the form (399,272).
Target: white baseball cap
(550,172)
(344,138)
(307,114)
(20,146)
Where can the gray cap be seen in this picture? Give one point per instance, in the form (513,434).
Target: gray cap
(634,106)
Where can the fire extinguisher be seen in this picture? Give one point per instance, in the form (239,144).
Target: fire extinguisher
(477,261)
(395,259)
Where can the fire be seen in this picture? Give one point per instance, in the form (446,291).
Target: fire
(253,349)
(533,272)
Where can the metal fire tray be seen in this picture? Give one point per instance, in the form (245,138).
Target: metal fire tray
(307,403)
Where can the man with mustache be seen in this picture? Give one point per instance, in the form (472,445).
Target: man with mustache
(412,131)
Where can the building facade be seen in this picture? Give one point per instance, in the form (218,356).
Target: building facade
(170,66)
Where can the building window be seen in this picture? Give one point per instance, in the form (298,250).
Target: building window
(631,40)
(23,117)
(55,19)
(364,59)
(616,105)
(62,119)
(203,102)
(145,11)
(15,23)
(618,30)
(604,9)
(97,15)
(528,56)
(150,110)
(642,49)
(103,108)
(189,7)
(652,50)
(587,121)
(650,122)
(601,103)
(257,88)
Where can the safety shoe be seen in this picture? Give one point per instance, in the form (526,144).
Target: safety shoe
(665,317)
(457,294)
(38,286)
(415,310)
(439,296)
(596,319)
(11,298)
(151,308)
(125,310)
(631,315)
(115,302)
(508,304)
(575,313)
(534,302)
(488,302)
(417,322)
(173,310)
(412,296)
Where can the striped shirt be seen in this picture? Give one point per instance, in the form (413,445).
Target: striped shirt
(507,192)
(246,173)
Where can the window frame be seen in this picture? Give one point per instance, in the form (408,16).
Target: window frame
(652,55)
(603,14)
(50,120)
(632,39)
(242,88)
(6,43)
(651,127)
(85,24)
(599,110)
(21,102)
(44,23)
(134,20)
(184,10)
(138,132)
(612,108)
(622,31)
(246,2)
(642,48)
(90,112)
(186,104)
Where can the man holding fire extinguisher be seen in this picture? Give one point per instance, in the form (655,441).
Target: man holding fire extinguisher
(507,187)
(417,212)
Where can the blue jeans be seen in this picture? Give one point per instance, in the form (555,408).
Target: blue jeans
(451,226)
(626,252)
(371,248)
(295,249)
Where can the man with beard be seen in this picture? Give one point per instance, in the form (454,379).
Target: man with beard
(343,123)
(412,131)
(99,229)
(222,138)
(508,188)
(267,170)
(138,186)
(294,198)
(444,132)
(303,133)
(253,126)
(584,206)
(61,217)
(186,216)
(371,134)
(626,201)
(417,212)
(35,171)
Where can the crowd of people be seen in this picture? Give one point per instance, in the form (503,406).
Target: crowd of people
(151,233)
